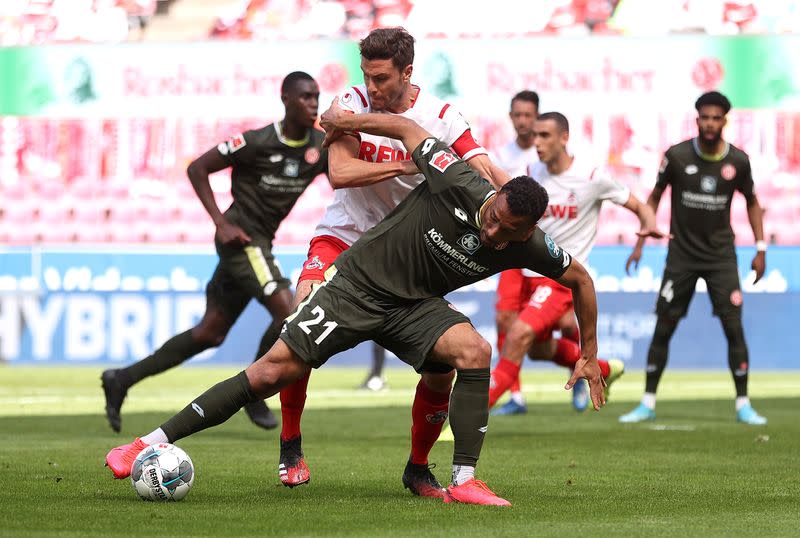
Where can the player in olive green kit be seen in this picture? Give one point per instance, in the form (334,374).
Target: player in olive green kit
(704,173)
(451,230)
(271,167)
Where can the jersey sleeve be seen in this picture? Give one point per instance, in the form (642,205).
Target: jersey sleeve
(608,188)
(444,169)
(459,134)
(239,149)
(745,185)
(354,101)
(544,256)
(665,171)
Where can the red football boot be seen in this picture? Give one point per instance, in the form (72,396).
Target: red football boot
(473,492)
(419,480)
(120,459)
(292,469)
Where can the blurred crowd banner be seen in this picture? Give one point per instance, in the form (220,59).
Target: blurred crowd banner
(73,306)
(152,107)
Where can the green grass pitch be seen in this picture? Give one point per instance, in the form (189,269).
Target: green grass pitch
(694,472)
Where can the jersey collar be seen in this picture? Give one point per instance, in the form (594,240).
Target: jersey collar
(479,212)
(288,141)
(712,158)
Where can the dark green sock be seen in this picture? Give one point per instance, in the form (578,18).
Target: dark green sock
(469,414)
(214,406)
(174,351)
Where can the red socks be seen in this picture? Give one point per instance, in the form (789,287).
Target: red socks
(427,418)
(293,401)
(501,339)
(503,377)
(568,353)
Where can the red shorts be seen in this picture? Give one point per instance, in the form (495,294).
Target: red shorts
(549,301)
(322,252)
(512,290)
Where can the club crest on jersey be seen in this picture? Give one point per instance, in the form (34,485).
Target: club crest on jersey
(469,242)
(552,248)
(291,168)
(442,160)
(315,263)
(708,184)
(347,97)
(236,143)
(728,172)
(690,169)
(312,155)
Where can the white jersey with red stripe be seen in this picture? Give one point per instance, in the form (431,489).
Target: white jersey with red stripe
(573,211)
(513,159)
(355,210)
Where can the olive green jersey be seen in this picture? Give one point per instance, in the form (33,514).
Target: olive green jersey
(430,244)
(269,174)
(702,190)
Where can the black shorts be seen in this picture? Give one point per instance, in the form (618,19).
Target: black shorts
(244,273)
(677,289)
(337,316)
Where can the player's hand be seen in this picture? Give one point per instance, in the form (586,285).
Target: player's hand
(587,368)
(653,232)
(331,118)
(633,259)
(409,168)
(230,234)
(759,265)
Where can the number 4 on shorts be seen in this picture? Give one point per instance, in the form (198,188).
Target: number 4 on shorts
(667,292)
(320,315)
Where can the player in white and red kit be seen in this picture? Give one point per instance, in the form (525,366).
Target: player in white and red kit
(577,189)
(372,175)
(514,159)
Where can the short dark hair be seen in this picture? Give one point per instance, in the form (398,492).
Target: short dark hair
(713,98)
(527,95)
(560,119)
(293,78)
(525,197)
(394,44)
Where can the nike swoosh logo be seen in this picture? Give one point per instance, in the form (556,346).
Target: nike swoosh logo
(483,430)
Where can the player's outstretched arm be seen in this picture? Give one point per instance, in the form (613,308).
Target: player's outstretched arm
(198,171)
(755,214)
(490,171)
(390,125)
(647,218)
(578,280)
(652,203)
(345,169)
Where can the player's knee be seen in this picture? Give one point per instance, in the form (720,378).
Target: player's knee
(276,369)
(734,331)
(521,334)
(211,330)
(477,353)
(665,326)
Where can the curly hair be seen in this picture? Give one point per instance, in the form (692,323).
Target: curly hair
(526,197)
(715,99)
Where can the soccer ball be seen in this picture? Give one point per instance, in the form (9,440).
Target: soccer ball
(162,472)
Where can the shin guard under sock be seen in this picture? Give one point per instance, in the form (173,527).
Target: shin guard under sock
(469,414)
(213,407)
